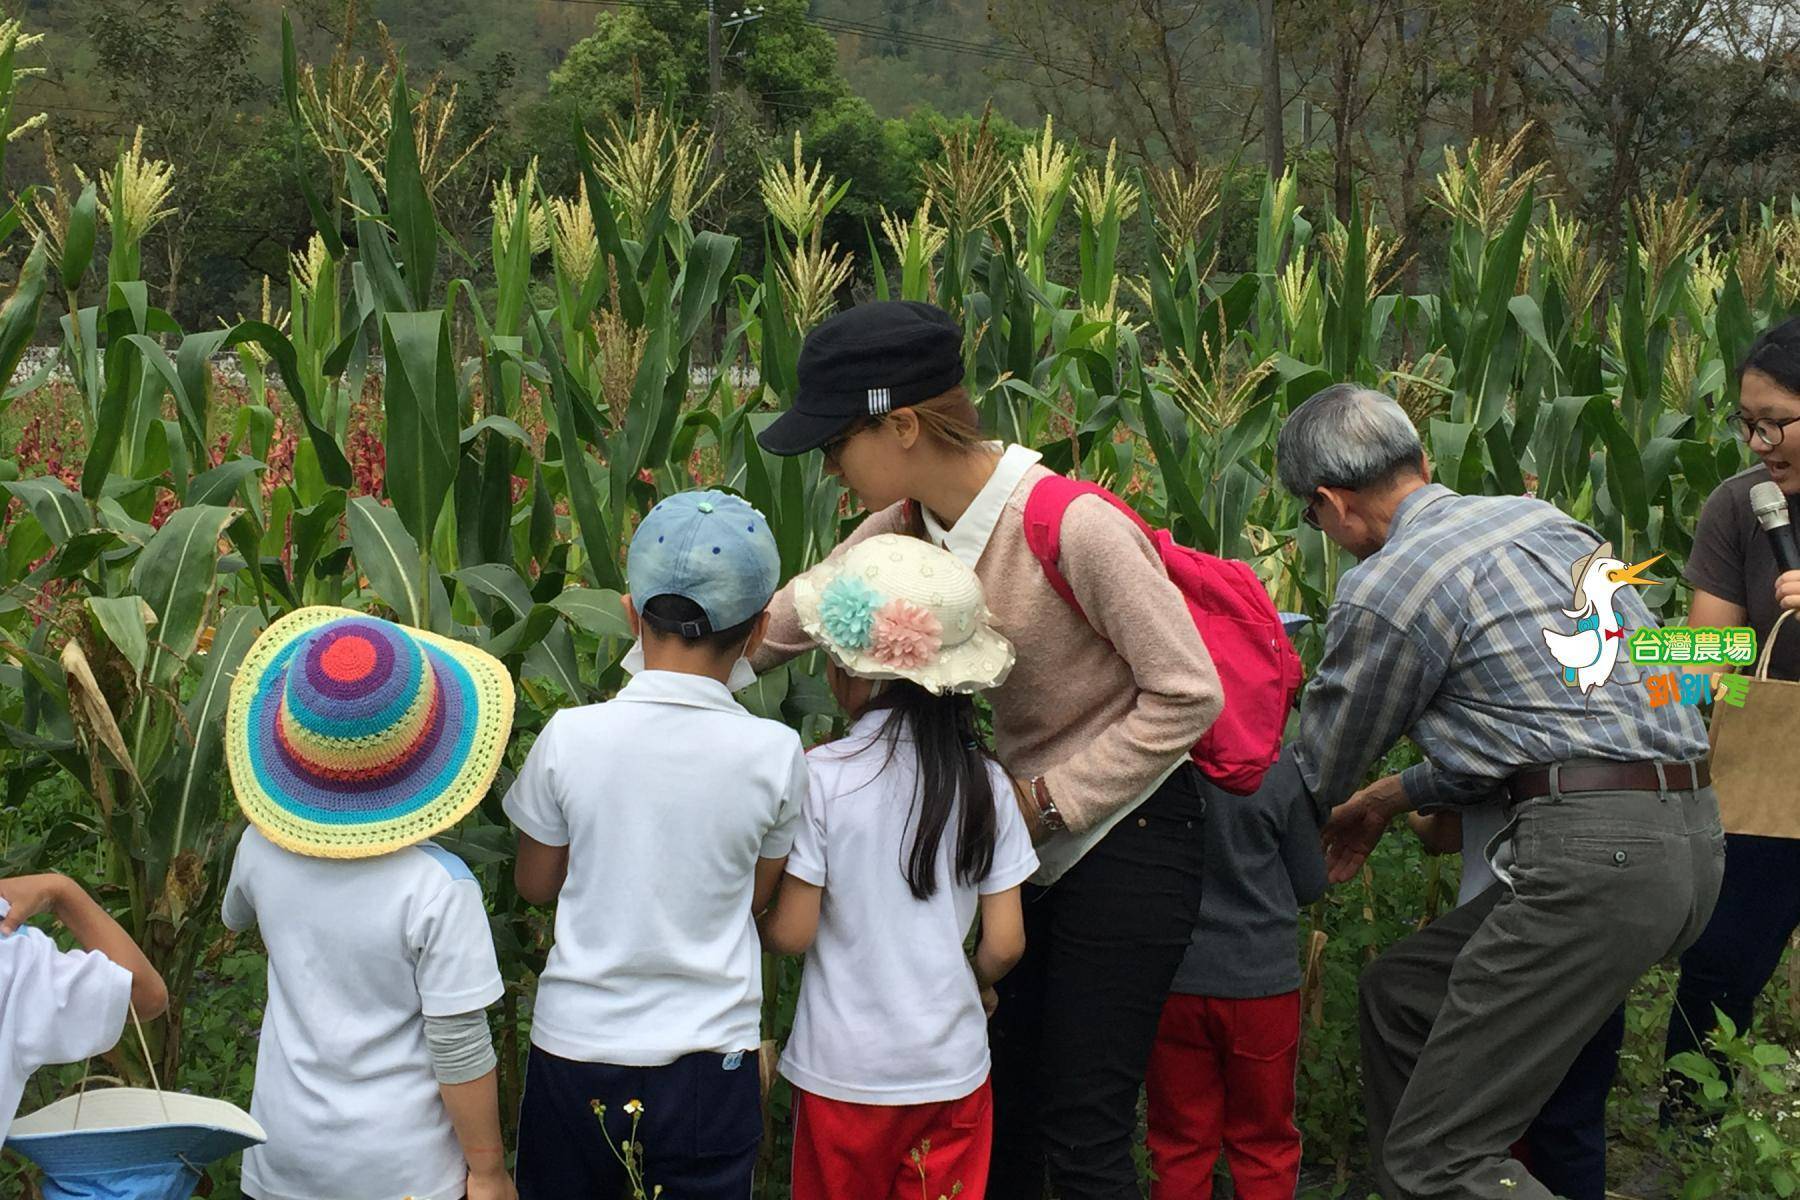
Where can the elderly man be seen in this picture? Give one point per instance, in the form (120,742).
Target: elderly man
(1612,851)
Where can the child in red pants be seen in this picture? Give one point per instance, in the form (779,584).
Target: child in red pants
(908,829)
(1222,1073)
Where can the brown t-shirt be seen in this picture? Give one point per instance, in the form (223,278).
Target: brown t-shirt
(1732,560)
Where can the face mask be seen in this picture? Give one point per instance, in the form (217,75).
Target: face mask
(743,675)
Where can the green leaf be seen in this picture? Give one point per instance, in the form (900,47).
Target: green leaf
(78,239)
(110,420)
(126,622)
(1767,1054)
(19,318)
(389,556)
(499,581)
(1624,467)
(409,206)
(524,633)
(312,526)
(702,276)
(175,575)
(423,431)
(186,794)
(220,485)
(765,696)
(332,463)
(553,660)
(599,611)
(61,512)
(504,426)
(584,501)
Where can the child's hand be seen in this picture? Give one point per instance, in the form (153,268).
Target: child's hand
(990,1001)
(491,1183)
(30,895)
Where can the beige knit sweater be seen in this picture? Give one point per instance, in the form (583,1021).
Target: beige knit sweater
(1101,711)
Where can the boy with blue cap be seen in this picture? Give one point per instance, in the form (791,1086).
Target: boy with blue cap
(659,823)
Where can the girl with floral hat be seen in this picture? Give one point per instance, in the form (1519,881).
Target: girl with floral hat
(909,829)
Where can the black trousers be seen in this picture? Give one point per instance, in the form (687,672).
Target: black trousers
(1566,1145)
(701,1127)
(1078,1016)
(1759,907)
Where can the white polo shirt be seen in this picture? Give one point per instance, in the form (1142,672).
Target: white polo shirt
(888,1011)
(666,796)
(55,1007)
(360,952)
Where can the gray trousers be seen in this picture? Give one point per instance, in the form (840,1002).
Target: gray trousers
(1469,1025)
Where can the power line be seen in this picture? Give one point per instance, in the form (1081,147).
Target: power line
(910,37)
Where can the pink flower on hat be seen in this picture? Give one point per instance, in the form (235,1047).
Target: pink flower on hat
(906,636)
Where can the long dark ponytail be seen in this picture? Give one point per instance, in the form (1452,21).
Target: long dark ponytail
(953,767)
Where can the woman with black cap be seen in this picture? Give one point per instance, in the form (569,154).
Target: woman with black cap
(1099,715)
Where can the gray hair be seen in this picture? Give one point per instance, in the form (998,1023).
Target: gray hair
(1345,436)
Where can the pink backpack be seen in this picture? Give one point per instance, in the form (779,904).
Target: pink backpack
(1258,668)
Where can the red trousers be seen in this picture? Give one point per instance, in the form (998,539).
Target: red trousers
(846,1151)
(1222,1075)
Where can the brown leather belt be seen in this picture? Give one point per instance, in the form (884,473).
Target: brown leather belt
(1595,775)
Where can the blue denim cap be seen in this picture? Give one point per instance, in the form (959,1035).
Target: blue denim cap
(711,547)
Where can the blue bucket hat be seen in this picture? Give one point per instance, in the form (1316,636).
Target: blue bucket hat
(710,547)
(130,1143)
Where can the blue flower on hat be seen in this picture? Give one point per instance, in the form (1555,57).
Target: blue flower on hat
(847,611)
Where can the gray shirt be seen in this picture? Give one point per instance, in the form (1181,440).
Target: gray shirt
(1263,862)
(1439,636)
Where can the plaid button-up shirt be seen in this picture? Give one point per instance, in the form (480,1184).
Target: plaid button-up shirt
(1439,636)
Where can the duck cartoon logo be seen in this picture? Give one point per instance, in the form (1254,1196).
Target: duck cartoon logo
(1587,655)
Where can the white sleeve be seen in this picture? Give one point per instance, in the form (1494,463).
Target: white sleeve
(238,912)
(534,802)
(59,1007)
(779,841)
(1014,859)
(454,963)
(807,860)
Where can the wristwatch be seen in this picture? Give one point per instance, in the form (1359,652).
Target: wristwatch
(1047,814)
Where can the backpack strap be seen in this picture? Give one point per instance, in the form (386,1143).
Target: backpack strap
(1044,511)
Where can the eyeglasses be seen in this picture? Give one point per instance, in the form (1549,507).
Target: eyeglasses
(1768,429)
(1308,514)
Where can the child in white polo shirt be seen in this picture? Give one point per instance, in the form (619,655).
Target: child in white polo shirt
(351,741)
(56,1006)
(909,829)
(657,822)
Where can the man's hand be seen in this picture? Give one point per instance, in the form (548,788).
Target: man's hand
(1787,589)
(1355,826)
(491,1183)
(30,895)
(990,1000)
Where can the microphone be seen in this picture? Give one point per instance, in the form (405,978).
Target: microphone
(1770,505)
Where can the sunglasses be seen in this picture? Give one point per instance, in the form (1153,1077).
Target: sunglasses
(1309,513)
(835,446)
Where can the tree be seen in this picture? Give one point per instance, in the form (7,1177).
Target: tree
(1667,87)
(186,77)
(1162,76)
(785,64)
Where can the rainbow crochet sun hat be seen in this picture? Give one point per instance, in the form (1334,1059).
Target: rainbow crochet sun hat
(348,736)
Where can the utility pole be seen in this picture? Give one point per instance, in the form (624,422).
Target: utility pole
(715,64)
(1274,151)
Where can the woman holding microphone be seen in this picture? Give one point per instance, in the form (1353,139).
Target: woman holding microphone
(1737,582)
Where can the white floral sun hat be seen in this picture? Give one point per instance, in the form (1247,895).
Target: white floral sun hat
(896,607)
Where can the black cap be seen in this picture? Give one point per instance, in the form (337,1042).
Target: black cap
(867,361)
